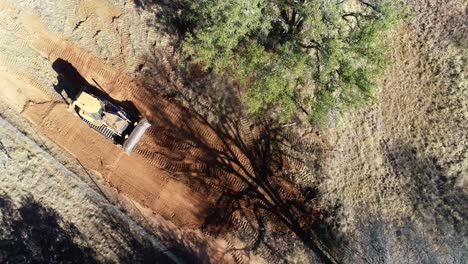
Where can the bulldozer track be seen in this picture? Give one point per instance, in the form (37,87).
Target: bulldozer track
(162,162)
(103,130)
(215,187)
(285,194)
(277,163)
(168,141)
(217,172)
(209,136)
(300,170)
(173,115)
(247,131)
(50,95)
(243,161)
(167,153)
(144,153)
(234,252)
(120,81)
(297,142)
(197,153)
(153,131)
(133,90)
(232,181)
(242,224)
(249,236)
(103,72)
(199,167)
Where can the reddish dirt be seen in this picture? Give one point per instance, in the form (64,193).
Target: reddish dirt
(224,180)
(132,175)
(179,142)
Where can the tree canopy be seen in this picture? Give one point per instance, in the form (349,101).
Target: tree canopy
(309,55)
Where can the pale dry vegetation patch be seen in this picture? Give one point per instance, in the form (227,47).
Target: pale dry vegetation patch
(398,170)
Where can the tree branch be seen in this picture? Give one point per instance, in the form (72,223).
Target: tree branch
(355,15)
(369,5)
(313,45)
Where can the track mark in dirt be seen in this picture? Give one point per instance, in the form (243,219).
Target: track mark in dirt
(130,175)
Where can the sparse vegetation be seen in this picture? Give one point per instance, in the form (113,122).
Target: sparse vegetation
(312,56)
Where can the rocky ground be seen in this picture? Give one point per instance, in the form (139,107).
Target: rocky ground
(386,183)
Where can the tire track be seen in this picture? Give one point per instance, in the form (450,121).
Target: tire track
(300,171)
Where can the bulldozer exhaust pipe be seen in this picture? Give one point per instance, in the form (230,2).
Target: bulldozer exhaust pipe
(135,136)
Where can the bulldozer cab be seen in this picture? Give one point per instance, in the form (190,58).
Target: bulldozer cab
(88,103)
(88,107)
(100,113)
(110,120)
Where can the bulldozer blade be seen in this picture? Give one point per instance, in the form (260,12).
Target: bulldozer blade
(135,136)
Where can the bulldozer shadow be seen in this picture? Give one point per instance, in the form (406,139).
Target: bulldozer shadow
(70,83)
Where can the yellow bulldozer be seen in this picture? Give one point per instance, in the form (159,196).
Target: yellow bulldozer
(110,120)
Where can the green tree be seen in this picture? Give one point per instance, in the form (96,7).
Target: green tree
(312,55)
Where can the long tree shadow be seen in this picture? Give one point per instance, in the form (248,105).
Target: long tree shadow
(245,173)
(38,234)
(32,233)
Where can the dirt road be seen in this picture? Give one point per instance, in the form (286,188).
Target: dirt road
(147,176)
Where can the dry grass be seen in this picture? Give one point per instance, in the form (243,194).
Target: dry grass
(399,168)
